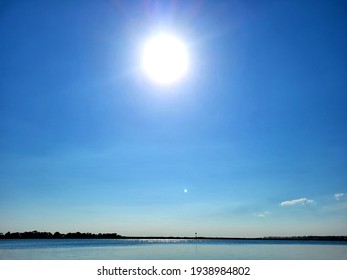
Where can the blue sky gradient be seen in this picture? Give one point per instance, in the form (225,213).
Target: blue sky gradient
(256,132)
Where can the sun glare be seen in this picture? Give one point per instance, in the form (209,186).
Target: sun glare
(165,59)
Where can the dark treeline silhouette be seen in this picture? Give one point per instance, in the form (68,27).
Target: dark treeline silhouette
(57,235)
(78,235)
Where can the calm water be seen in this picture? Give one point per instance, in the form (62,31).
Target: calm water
(166,249)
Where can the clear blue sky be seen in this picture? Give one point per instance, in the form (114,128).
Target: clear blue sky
(256,132)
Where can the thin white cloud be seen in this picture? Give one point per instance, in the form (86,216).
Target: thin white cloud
(302,201)
(338,196)
(263,214)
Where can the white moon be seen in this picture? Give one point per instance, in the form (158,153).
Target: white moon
(165,59)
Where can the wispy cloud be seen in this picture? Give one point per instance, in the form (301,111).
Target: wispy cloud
(338,196)
(263,214)
(302,201)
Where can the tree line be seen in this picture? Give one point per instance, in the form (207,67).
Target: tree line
(57,235)
(78,235)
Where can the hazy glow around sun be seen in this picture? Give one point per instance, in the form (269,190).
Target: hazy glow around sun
(165,59)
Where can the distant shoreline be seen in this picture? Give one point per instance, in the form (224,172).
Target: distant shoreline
(308,238)
(79,235)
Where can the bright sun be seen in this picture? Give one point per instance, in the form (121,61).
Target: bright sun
(165,59)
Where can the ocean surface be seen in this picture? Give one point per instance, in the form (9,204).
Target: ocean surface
(170,249)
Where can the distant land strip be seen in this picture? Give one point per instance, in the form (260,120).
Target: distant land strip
(78,235)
